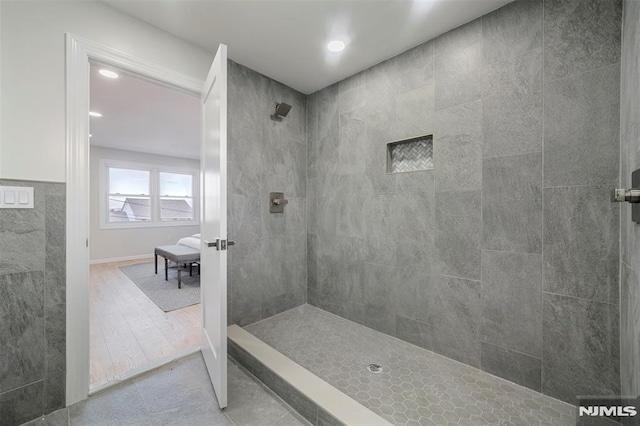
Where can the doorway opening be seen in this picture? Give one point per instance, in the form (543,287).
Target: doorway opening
(144,199)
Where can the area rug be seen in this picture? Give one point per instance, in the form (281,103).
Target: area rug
(165,294)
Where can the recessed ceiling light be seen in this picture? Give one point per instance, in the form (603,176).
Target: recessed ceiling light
(336,46)
(108,73)
(90,135)
(95,114)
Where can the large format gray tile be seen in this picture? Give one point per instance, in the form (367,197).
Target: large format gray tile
(580,351)
(415,114)
(244,218)
(581,242)
(412,217)
(178,388)
(629,329)
(245,292)
(582,123)
(116,406)
(55,258)
(356,81)
(629,84)
(457,147)
(512,105)
(22,337)
(351,197)
(245,131)
(414,284)
(379,182)
(379,297)
(580,35)
(414,68)
(455,314)
(284,273)
(511,30)
(312,134)
(512,301)
(414,332)
(379,233)
(629,230)
(519,368)
(55,343)
(57,418)
(512,203)
(21,405)
(458,233)
(352,144)
(249,403)
(458,64)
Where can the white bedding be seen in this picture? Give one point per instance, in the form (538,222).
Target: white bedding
(192,241)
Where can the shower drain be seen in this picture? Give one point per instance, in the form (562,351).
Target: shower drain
(374,368)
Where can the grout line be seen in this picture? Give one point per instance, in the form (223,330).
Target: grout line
(460,278)
(513,155)
(542,207)
(576,297)
(21,387)
(539,358)
(577,186)
(512,251)
(582,72)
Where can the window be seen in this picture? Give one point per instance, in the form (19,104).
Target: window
(139,195)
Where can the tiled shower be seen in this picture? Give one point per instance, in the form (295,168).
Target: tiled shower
(505,255)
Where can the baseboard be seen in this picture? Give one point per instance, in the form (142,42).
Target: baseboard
(120,259)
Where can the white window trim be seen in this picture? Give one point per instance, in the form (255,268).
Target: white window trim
(155,170)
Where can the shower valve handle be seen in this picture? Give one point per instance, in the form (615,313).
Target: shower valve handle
(279,201)
(629,195)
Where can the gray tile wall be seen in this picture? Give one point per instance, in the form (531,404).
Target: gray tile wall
(630,231)
(505,255)
(268,264)
(33,311)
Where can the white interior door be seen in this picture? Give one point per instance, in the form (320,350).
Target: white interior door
(214,224)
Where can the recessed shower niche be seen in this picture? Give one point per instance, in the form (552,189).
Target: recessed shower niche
(410,155)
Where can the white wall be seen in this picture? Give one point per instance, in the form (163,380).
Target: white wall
(119,243)
(32,74)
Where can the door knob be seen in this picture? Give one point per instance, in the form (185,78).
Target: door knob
(629,195)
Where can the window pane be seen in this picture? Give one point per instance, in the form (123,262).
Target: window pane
(129,209)
(176,209)
(176,185)
(128,181)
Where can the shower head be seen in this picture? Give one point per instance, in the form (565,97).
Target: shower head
(282,110)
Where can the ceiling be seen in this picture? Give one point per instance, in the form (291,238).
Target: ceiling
(286,39)
(138,115)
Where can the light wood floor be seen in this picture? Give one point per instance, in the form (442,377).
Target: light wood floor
(128,330)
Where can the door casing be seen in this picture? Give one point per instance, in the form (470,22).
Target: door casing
(79,51)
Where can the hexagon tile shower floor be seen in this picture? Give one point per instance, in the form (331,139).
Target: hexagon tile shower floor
(415,386)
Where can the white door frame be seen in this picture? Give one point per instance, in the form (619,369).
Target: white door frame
(78,53)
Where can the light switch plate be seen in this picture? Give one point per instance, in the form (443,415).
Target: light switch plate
(16,197)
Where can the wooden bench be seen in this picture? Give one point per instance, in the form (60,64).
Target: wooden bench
(182,255)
